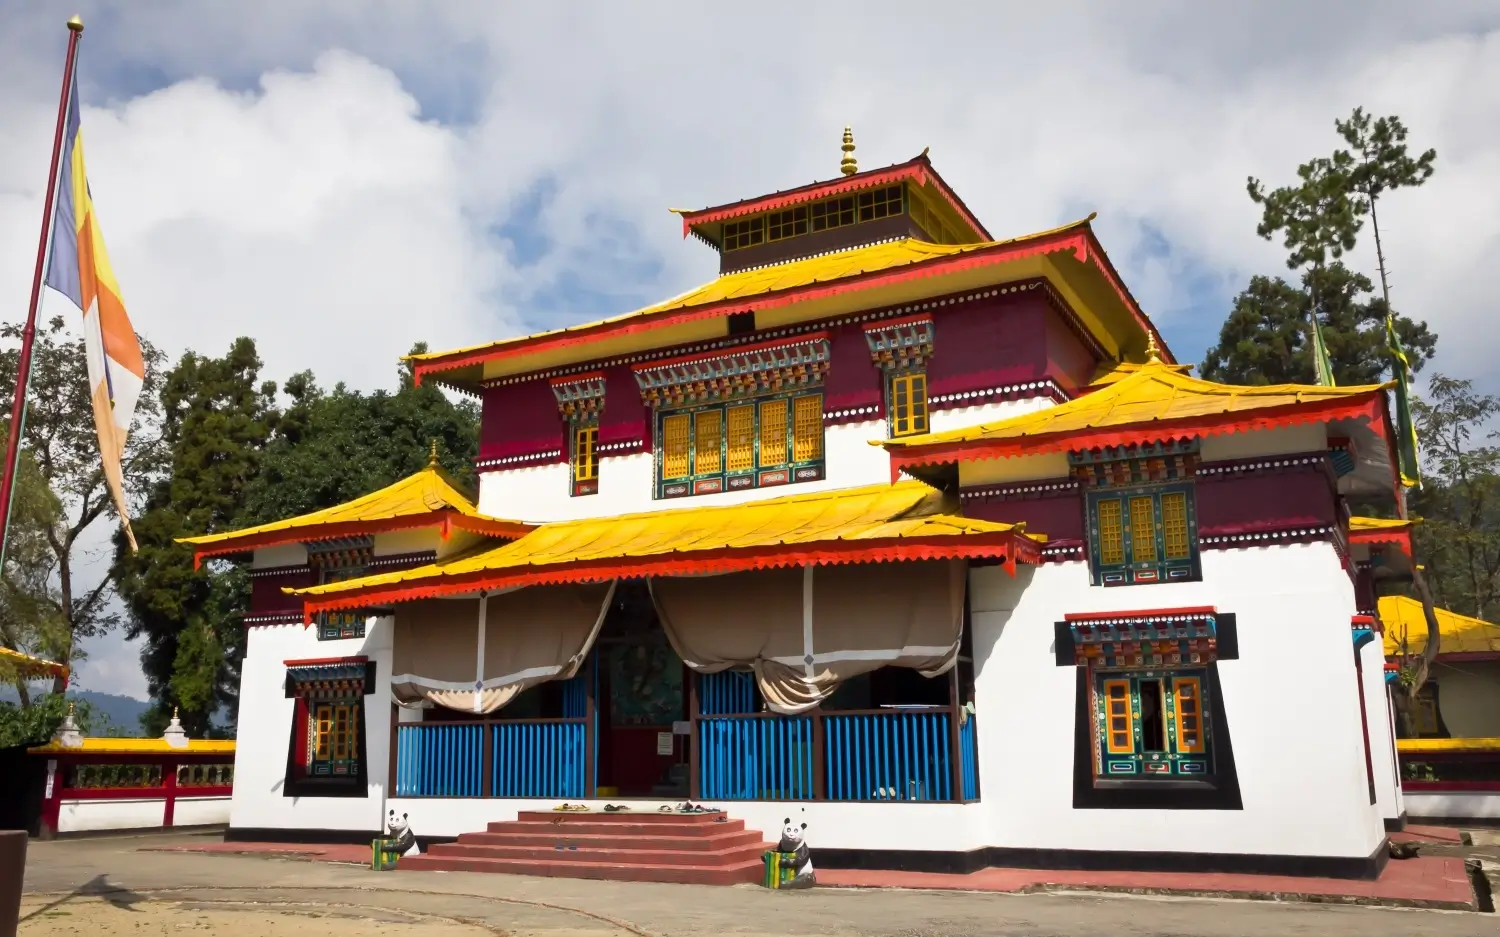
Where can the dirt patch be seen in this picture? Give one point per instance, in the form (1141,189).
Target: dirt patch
(101,917)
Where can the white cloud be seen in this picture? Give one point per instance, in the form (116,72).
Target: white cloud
(323,213)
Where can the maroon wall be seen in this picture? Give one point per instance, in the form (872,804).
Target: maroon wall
(1258,500)
(1058,514)
(266,597)
(979,345)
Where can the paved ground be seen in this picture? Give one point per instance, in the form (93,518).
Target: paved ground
(105,887)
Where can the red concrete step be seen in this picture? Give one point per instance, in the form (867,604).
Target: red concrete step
(547,839)
(592,827)
(625,816)
(716,858)
(749,871)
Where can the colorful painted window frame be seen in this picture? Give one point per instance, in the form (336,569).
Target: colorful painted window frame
(1132,742)
(1143,534)
(345,625)
(333,737)
(755,442)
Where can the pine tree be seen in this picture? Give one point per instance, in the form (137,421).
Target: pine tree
(217,417)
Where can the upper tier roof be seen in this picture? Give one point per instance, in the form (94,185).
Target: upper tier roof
(428,498)
(1404,620)
(871,524)
(887,274)
(1158,398)
(706,222)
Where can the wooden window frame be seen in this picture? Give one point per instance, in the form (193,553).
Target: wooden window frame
(583,459)
(1180,760)
(738,235)
(1151,564)
(333,729)
(342,625)
(906,395)
(770,464)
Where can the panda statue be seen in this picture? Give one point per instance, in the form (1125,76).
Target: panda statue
(400,840)
(794,843)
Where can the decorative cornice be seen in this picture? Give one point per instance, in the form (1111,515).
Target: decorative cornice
(902,343)
(875,315)
(525,460)
(1267,537)
(579,397)
(1264,464)
(278,571)
(1027,491)
(761,368)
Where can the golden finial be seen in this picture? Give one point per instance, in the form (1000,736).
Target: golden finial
(174,712)
(432,459)
(76,24)
(70,707)
(1153,354)
(848,166)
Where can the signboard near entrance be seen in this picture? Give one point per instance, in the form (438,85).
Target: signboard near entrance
(664,743)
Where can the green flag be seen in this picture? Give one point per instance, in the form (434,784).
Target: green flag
(1321,361)
(1406,430)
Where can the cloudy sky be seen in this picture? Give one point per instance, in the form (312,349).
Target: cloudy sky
(342,179)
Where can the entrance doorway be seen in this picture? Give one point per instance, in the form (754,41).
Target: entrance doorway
(642,698)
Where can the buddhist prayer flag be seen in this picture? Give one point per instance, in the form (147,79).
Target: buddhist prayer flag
(1406,430)
(79,269)
(1321,361)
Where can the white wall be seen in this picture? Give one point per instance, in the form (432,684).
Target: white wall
(1465,805)
(829,825)
(76,816)
(1469,698)
(1378,717)
(200,811)
(626,483)
(265,727)
(1289,700)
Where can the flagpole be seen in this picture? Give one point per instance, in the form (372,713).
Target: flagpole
(28,335)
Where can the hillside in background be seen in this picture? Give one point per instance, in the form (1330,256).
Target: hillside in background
(122,712)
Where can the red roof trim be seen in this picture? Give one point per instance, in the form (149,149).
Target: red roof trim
(917,170)
(576,378)
(1009,546)
(1208,425)
(733,351)
(1400,538)
(1142,613)
(318,532)
(317,661)
(1071,239)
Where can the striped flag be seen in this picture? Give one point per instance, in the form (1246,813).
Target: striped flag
(1321,361)
(79,269)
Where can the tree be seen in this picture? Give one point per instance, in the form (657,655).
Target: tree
(216,419)
(31,620)
(1459,503)
(336,446)
(60,434)
(1317,217)
(35,724)
(1381,165)
(1264,339)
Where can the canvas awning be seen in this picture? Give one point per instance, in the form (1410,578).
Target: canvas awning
(876,524)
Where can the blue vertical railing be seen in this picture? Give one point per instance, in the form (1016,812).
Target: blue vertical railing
(437,760)
(575,696)
(756,757)
(727,693)
(902,755)
(968,745)
(537,759)
(527,758)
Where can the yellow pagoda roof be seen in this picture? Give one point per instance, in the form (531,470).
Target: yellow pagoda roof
(426,498)
(831,284)
(157,746)
(1156,395)
(879,523)
(1402,618)
(1445,746)
(28,667)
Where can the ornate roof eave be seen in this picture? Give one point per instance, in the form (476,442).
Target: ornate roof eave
(918,169)
(1009,547)
(1369,405)
(1073,243)
(446,521)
